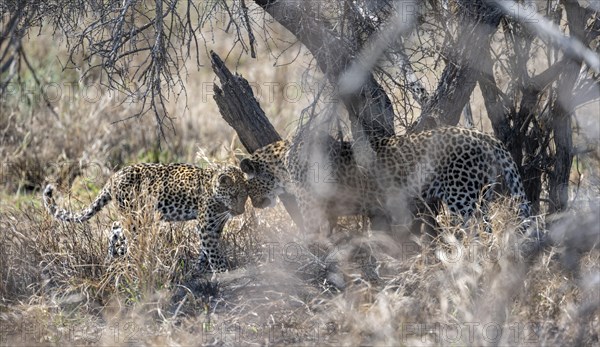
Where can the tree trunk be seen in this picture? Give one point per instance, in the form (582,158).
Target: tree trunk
(562,112)
(241,110)
(460,74)
(369,109)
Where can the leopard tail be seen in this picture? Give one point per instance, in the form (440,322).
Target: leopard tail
(79,217)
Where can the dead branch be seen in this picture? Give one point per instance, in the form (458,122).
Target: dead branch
(241,110)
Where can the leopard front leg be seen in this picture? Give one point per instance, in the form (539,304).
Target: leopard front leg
(315,216)
(210,225)
(211,257)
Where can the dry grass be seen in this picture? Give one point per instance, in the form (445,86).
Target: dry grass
(284,287)
(287,288)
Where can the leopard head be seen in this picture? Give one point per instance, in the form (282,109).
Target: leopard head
(266,174)
(231,189)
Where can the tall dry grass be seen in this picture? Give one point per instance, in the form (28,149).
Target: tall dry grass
(284,287)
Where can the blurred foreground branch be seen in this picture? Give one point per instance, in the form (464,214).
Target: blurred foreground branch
(459,77)
(369,107)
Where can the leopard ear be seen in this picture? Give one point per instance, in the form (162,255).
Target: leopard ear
(225,179)
(249,167)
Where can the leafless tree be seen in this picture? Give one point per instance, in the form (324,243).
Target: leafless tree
(395,65)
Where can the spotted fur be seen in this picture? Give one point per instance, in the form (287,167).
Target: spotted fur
(179,192)
(452,165)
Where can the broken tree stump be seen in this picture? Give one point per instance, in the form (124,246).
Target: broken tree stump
(242,112)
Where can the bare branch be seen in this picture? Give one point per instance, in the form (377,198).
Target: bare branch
(460,74)
(352,80)
(370,109)
(548,31)
(549,75)
(251,39)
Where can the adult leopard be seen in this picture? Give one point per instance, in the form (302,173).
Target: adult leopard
(453,165)
(178,192)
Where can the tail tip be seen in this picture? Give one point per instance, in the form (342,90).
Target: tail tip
(48,190)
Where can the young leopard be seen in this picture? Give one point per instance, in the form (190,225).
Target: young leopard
(407,173)
(179,192)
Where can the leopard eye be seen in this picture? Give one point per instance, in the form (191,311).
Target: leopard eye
(225,179)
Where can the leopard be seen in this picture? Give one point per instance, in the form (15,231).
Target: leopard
(406,175)
(177,192)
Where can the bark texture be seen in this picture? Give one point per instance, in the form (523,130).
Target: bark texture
(241,110)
